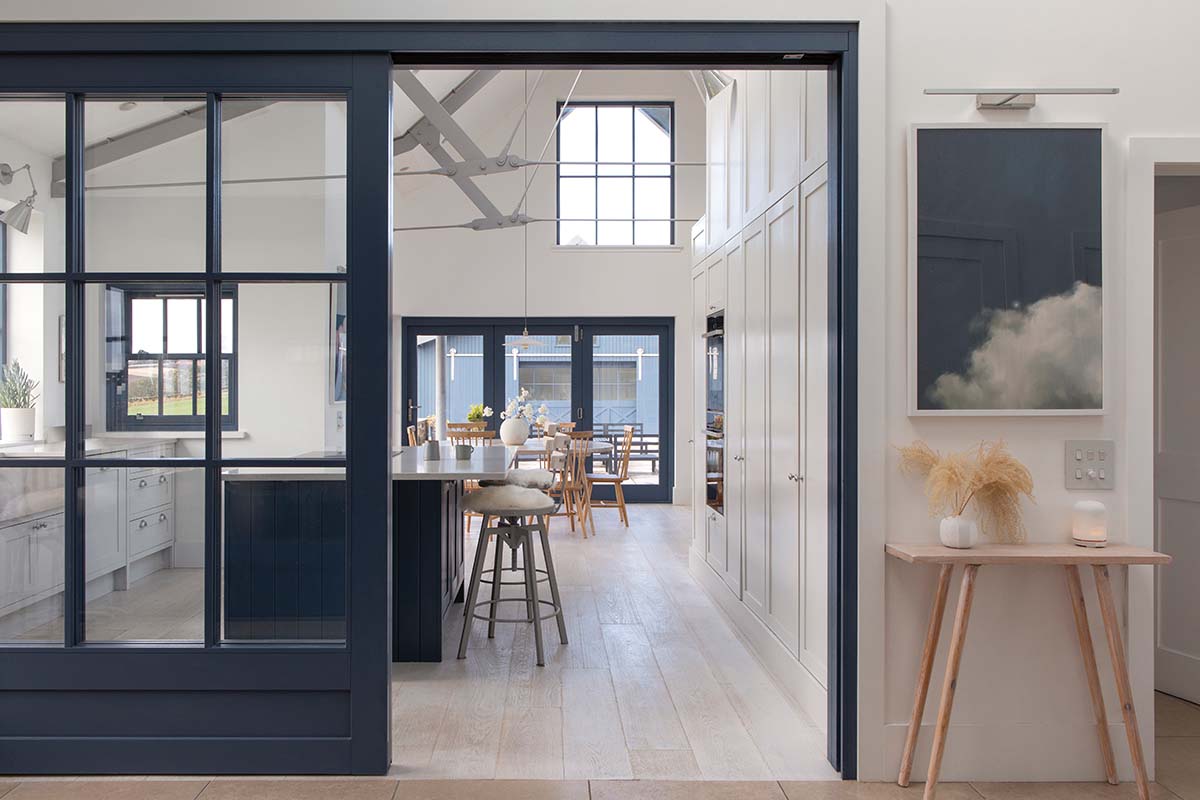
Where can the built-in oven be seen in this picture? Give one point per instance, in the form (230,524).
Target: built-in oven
(714,416)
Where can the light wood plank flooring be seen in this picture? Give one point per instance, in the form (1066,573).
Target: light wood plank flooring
(653,684)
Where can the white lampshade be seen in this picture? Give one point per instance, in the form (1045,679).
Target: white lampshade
(1089,524)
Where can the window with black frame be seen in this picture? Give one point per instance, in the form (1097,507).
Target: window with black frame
(616,179)
(155,347)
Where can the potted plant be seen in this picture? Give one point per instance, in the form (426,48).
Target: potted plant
(517,416)
(17,403)
(987,475)
(478,412)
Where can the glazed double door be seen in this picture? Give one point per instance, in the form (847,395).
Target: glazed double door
(601,375)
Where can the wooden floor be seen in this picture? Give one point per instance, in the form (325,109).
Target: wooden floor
(653,684)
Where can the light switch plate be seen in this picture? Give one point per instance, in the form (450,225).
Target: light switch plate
(1090,463)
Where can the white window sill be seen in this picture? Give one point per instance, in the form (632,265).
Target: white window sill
(168,434)
(618,248)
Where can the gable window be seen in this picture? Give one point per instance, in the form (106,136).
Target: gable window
(155,342)
(616,182)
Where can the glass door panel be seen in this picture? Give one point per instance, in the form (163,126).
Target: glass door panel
(625,394)
(450,378)
(542,364)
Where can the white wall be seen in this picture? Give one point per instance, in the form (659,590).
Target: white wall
(283,330)
(1022,709)
(471,273)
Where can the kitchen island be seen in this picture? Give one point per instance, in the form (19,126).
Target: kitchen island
(285,549)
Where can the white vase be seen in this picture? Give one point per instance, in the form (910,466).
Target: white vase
(958,532)
(514,432)
(16,424)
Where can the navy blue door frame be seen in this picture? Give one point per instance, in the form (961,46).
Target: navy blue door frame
(64,706)
(493,330)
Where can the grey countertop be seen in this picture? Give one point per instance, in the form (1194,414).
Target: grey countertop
(409,464)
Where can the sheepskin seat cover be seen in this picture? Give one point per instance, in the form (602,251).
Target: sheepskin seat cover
(529,478)
(500,500)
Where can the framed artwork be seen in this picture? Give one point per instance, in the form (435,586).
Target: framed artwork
(1005,270)
(337,343)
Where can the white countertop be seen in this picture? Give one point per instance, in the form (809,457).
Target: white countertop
(486,463)
(92,447)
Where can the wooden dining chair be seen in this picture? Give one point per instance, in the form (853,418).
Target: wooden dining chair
(472,436)
(577,489)
(412,435)
(476,437)
(476,425)
(615,479)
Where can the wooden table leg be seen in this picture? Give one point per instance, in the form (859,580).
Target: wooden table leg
(958,637)
(1116,649)
(1075,590)
(932,634)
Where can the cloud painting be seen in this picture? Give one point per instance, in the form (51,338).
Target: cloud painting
(1008,269)
(1046,356)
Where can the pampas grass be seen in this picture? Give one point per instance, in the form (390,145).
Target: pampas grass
(987,474)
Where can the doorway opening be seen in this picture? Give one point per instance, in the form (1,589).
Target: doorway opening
(1177,450)
(624,223)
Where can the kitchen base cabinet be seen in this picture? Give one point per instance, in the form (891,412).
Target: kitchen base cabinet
(129,533)
(428,565)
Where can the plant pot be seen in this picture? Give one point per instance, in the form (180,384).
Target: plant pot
(514,432)
(16,424)
(958,532)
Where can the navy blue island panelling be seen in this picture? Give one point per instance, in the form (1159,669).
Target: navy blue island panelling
(285,560)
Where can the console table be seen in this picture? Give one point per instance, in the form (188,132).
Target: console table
(1070,557)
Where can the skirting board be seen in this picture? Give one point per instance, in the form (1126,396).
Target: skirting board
(1015,752)
(793,678)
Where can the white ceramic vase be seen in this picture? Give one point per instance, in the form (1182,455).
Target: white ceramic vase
(958,532)
(16,424)
(514,431)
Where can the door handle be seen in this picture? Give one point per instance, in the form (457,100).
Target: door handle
(412,409)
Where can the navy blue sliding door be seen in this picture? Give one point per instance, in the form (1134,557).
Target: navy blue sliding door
(184,601)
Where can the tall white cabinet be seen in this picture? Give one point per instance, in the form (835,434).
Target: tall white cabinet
(761,258)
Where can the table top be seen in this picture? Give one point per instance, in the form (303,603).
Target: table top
(1035,554)
(537,446)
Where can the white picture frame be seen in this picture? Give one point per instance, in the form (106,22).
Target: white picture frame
(912,382)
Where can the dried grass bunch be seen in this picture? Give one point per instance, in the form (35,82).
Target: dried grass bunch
(987,474)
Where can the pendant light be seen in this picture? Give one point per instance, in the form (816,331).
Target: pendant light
(525,341)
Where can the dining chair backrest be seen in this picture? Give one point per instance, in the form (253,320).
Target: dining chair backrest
(624,453)
(477,425)
(582,435)
(412,435)
(566,427)
(473,436)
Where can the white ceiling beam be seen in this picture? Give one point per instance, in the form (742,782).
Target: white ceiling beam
(437,115)
(452,102)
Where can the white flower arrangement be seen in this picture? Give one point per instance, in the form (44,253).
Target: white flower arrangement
(520,407)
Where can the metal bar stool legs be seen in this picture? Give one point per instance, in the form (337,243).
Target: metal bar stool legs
(517,534)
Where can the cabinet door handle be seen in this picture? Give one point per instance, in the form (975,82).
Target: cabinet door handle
(162,478)
(162,517)
(142,484)
(143,524)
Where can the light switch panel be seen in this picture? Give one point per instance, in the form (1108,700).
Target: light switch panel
(1090,463)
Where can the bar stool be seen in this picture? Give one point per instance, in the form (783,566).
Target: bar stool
(520,512)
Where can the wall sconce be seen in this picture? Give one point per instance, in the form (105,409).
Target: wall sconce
(19,215)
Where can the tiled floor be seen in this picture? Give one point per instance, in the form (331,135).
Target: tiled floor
(653,684)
